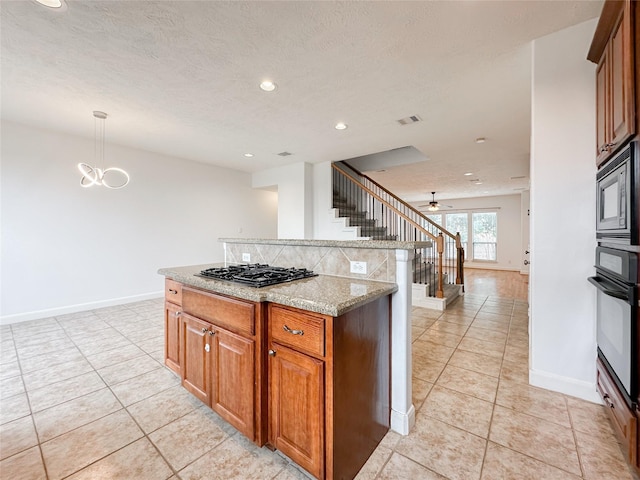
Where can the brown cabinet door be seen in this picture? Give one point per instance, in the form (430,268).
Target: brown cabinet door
(233,380)
(172,336)
(196,345)
(622,85)
(615,88)
(602,107)
(623,418)
(296,407)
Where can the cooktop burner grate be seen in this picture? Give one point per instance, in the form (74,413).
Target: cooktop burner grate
(257,274)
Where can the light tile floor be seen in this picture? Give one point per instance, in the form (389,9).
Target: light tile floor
(86,396)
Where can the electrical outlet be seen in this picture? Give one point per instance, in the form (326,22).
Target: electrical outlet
(359,267)
(246,257)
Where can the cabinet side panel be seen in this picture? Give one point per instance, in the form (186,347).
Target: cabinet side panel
(361,387)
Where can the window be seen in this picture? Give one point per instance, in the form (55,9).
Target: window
(481,226)
(435,217)
(485,236)
(458,222)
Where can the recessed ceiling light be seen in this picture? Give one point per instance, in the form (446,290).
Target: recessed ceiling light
(478,182)
(268,86)
(52,3)
(248,155)
(481,140)
(468,174)
(341,126)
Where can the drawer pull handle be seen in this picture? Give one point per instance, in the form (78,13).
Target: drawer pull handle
(607,401)
(292,332)
(173,292)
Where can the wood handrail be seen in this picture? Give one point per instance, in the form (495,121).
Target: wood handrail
(387,204)
(395,197)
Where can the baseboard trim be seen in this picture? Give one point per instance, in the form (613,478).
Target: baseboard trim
(403,422)
(52,312)
(568,386)
(500,268)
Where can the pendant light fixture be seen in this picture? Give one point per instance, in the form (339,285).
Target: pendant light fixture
(111,177)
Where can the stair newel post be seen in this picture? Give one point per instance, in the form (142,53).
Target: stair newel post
(440,245)
(459,259)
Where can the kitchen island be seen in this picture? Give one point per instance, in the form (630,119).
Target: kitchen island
(302,366)
(324,294)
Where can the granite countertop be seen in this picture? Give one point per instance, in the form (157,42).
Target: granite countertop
(372,244)
(325,294)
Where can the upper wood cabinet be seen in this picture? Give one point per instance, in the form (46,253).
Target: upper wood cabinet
(614,50)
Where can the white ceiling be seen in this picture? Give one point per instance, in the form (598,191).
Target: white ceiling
(181,78)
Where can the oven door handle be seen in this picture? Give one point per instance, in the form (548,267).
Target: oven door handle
(599,283)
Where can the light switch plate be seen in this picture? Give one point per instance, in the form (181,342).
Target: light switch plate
(246,257)
(359,267)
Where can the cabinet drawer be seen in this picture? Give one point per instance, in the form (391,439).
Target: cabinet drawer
(298,330)
(623,419)
(173,291)
(230,313)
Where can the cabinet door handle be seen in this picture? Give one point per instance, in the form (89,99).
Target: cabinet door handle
(207,348)
(607,147)
(272,353)
(212,333)
(607,401)
(292,332)
(177,314)
(527,262)
(205,330)
(173,292)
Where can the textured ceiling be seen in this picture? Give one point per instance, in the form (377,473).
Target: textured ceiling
(181,78)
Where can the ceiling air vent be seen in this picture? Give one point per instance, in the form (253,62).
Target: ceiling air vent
(285,154)
(409,120)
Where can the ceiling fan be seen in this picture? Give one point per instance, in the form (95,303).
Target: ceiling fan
(434,206)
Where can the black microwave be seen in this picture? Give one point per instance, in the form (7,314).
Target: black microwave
(617,198)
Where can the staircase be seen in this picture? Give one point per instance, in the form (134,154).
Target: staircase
(367,227)
(378,214)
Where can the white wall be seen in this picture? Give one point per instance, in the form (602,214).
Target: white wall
(508,208)
(321,200)
(563,344)
(67,248)
(294,184)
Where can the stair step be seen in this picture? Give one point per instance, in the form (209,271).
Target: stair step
(362,222)
(391,238)
(344,205)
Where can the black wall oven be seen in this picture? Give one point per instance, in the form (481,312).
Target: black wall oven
(618,333)
(618,207)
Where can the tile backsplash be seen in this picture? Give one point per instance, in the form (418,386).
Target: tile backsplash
(325,260)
